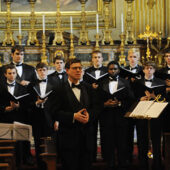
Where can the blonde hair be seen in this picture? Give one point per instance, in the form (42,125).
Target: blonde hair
(134,50)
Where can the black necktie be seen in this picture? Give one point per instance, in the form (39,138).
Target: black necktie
(148,80)
(44,80)
(17,65)
(76,86)
(11,85)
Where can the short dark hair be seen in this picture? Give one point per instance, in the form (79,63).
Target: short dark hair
(167,51)
(71,61)
(41,65)
(9,66)
(149,63)
(17,47)
(58,58)
(96,51)
(114,63)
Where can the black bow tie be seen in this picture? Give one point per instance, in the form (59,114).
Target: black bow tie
(134,68)
(148,80)
(95,69)
(76,86)
(168,68)
(17,65)
(11,85)
(59,74)
(113,78)
(44,80)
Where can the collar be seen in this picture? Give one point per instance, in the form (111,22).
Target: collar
(70,83)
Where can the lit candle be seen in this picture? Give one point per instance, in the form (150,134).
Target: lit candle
(122,23)
(71,25)
(43,21)
(19,26)
(97,23)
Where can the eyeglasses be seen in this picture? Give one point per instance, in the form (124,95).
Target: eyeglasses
(76,68)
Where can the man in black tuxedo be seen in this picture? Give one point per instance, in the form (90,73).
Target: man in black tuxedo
(59,76)
(25,73)
(150,87)
(116,95)
(135,73)
(73,107)
(12,109)
(41,120)
(97,71)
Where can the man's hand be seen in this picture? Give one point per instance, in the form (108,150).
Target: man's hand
(111,103)
(24,82)
(12,106)
(56,125)
(40,101)
(150,95)
(95,86)
(167,81)
(82,116)
(144,98)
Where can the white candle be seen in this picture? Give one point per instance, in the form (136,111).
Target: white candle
(122,23)
(19,26)
(71,25)
(97,23)
(43,21)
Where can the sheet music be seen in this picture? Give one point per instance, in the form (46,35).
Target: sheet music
(141,108)
(6,131)
(156,109)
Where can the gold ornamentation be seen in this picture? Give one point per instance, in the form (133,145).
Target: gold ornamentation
(32,36)
(107,39)
(8,33)
(122,57)
(71,47)
(130,23)
(148,35)
(58,39)
(44,56)
(83,33)
(97,42)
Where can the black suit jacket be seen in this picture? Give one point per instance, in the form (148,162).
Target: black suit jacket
(163,73)
(5,98)
(91,70)
(63,106)
(38,114)
(56,81)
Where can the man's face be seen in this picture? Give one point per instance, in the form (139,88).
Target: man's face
(11,74)
(59,65)
(149,71)
(97,59)
(133,59)
(18,56)
(113,70)
(75,72)
(42,73)
(167,58)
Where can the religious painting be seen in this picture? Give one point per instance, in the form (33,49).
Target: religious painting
(50,5)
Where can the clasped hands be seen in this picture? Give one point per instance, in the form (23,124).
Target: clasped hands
(111,103)
(82,116)
(148,96)
(12,106)
(41,101)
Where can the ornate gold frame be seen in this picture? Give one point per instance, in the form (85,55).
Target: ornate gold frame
(100,11)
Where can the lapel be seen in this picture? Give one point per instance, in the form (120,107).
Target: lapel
(73,102)
(83,96)
(16,90)
(37,87)
(49,87)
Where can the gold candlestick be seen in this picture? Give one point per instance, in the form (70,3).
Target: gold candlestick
(71,47)
(83,33)
(107,38)
(122,57)
(20,39)
(44,56)
(58,39)
(97,42)
(8,33)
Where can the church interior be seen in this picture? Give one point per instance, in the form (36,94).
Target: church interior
(74,29)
